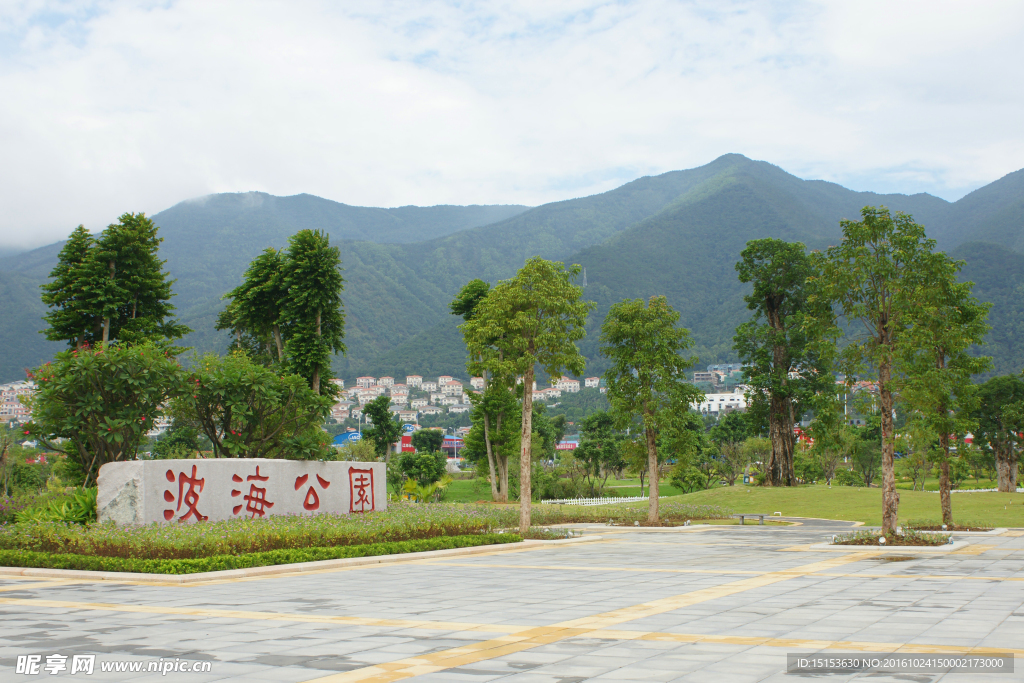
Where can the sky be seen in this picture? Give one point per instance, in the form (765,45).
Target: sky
(108,107)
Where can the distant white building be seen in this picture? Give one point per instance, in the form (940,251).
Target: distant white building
(567,384)
(400,399)
(399,389)
(428,386)
(407,415)
(721,403)
(340,383)
(430,410)
(340,410)
(11,407)
(443,379)
(476,382)
(386,381)
(365,381)
(451,400)
(418,403)
(592,382)
(460,408)
(452,388)
(436,397)
(413,380)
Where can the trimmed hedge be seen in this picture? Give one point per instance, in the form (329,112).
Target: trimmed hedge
(27,558)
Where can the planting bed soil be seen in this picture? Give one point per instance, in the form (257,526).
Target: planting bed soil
(955,527)
(910,538)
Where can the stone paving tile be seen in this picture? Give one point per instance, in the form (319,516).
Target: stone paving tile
(855,606)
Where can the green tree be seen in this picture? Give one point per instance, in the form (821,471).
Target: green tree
(96,404)
(1000,416)
(425,468)
(312,309)
(71,319)
(385,430)
(947,321)
(600,450)
(832,436)
(495,406)
(535,318)
(647,377)
(728,435)
(248,410)
(132,291)
(872,277)
(783,366)
(255,306)
(428,440)
(180,441)
(495,433)
(112,287)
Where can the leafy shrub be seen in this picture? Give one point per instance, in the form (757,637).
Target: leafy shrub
(845,477)
(424,468)
(21,558)
(76,507)
(400,522)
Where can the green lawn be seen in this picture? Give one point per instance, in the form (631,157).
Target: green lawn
(932,484)
(473,490)
(861,504)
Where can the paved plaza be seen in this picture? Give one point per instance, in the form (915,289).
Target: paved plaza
(715,604)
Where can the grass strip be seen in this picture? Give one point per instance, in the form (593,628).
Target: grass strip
(42,560)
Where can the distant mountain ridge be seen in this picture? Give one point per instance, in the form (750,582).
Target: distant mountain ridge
(678,234)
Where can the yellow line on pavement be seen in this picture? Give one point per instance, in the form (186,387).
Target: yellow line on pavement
(973,549)
(536,637)
(595,568)
(266,616)
(666,570)
(36,583)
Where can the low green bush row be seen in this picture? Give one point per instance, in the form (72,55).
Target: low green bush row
(25,558)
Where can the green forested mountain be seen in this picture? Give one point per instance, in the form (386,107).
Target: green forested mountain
(677,234)
(993,213)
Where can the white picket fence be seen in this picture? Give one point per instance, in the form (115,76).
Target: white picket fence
(596,501)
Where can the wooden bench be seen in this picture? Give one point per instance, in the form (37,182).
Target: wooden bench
(760,517)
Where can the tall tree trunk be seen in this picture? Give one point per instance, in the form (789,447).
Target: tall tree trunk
(502,462)
(525,439)
(789,475)
(777,434)
(490,458)
(944,497)
(316,368)
(1006,466)
(652,469)
(106,320)
(890,499)
(277,340)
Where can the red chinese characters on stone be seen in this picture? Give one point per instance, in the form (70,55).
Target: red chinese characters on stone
(312,501)
(190,497)
(360,484)
(256,502)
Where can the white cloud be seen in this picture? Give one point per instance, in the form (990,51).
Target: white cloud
(121,106)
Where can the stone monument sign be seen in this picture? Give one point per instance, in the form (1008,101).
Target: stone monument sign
(146,491)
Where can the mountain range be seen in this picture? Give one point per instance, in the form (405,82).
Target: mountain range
(677,234)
